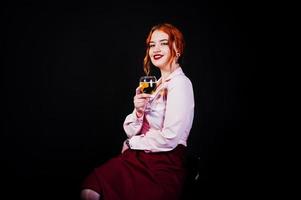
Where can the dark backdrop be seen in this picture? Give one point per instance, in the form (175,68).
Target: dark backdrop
(69,75)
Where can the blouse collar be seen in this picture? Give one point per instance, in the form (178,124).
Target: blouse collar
(177,72)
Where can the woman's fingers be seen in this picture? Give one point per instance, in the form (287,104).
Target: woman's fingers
(140,101)
(143,96)
(138,90)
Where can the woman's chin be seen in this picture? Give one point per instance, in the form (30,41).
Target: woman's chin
(158,64)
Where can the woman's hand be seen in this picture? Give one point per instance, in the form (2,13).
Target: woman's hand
(124,148)
(140,101)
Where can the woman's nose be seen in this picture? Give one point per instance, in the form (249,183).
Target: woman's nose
(156,48)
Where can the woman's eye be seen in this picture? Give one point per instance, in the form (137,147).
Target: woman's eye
(164,43)
(151,45)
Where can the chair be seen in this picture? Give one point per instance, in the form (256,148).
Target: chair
(191,186)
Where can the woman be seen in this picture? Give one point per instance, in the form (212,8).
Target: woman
(151,163)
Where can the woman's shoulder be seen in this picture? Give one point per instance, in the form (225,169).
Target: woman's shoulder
(181,82)
(180,79)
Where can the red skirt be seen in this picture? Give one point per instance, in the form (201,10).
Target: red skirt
(136,175)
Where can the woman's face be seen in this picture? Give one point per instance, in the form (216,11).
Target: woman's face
(159,51)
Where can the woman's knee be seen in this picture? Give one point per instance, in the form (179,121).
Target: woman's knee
(88,194)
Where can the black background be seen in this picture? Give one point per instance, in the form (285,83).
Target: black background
(70,72)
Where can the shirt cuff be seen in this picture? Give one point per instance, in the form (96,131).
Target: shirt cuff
(136,143)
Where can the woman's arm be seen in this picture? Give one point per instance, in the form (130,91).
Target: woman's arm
(177,123)
(133,122)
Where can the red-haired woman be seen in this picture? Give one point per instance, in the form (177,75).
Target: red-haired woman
(151,164)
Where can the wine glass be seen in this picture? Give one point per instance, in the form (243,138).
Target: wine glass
(148,85)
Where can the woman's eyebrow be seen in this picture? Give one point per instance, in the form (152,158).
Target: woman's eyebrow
(159,40)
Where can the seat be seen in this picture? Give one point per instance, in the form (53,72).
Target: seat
(191,185)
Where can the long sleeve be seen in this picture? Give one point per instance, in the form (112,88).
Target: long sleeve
(132,124)
(177,120)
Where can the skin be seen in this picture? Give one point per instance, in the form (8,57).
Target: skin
(88,194)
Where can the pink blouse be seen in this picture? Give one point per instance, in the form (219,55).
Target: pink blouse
(169,118)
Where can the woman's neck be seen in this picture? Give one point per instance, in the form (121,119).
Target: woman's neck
(168,70)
